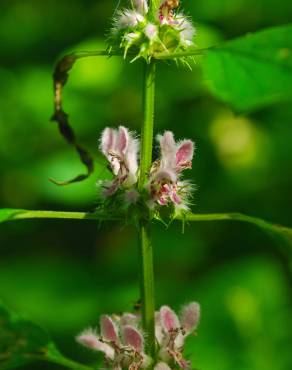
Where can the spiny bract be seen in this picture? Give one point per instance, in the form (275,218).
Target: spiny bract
(146,33)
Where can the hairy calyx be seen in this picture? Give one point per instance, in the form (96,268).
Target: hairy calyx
(135,29)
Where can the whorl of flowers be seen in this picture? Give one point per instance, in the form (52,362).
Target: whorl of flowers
(146,34)
(165,186)
(122,340)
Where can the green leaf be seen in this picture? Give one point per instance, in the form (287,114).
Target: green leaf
(22,342)
(252,71)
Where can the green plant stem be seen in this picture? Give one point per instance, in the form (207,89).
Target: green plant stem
(145,246)
(147,286)
(147,128)
(21,214)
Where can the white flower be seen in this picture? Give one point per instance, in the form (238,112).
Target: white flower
(121,149)
(128,19)
(186,29)
(151,31)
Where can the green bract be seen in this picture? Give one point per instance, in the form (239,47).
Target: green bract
(144,35)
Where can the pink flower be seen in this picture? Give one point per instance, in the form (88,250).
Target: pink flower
(165,185)
(171,332)
(121,148)
(122,343)
(166,11)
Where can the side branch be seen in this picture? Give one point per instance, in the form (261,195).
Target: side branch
(8,214)
(263,224)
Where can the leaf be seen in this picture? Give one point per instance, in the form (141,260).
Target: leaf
(22,343)
(252,71)
(61,75)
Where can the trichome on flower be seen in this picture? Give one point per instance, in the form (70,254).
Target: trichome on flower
(122,340)
(145,35)
(165,186)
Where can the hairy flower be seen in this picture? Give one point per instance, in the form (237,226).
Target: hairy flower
(172,331)
(136,29)
(162,366)
(122,342)
(165,184)
(121,148)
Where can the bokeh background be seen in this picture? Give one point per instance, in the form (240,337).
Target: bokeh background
(64,274)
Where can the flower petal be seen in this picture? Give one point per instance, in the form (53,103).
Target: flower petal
(90,340)
(162,366)
(128,18)
(167,147)
(185,152)
(166,175)
(132,337)
(107,141)
(108,329)
(129,319)
(131,159)
(190,316)
(123,140)
(169,319)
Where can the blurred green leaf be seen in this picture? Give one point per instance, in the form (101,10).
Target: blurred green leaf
(252,71)
(22,342)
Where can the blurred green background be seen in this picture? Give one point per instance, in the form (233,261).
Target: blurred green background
(64,274)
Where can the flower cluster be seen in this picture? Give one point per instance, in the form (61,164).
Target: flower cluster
(122,342)
(148,33)
(165,186)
